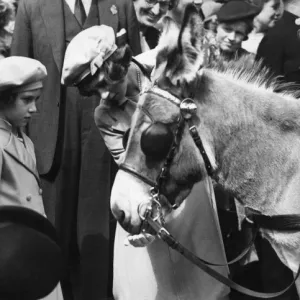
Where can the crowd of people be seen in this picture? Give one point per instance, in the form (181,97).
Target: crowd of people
(89,61)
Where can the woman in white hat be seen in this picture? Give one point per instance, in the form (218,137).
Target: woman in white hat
(21,83)
(95,64)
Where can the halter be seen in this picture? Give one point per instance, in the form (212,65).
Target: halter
(188,109)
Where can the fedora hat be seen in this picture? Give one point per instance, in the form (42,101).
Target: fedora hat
(31,263)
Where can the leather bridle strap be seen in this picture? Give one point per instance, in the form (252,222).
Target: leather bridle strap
(171,241)
(148,181)
(126,168)
(197,140)
(239,257)
(278,222)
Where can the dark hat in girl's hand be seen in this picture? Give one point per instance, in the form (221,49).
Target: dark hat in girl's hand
(31,263)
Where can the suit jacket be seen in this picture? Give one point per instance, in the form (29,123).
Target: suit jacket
(39,33)
(114,119)
(280,48)
(20,183)
(152,37)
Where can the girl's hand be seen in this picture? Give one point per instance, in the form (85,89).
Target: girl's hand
(139,240)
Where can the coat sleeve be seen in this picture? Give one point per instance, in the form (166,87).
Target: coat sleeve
(22,37)
(113,139)
(114,142)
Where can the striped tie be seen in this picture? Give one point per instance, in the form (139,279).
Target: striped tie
(79,12)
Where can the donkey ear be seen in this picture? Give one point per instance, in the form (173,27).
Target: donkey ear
(169,35)
(191,41)
(167,43)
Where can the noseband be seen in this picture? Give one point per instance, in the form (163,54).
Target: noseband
(188,109)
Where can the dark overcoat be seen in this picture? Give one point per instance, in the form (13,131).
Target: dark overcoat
(280,48)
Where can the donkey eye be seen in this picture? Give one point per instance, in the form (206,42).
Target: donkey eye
(157,140)
(125,138)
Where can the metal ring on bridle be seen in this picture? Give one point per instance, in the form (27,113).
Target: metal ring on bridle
(147,210)
(188,108)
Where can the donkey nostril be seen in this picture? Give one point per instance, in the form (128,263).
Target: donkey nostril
(123,221)
(121,217)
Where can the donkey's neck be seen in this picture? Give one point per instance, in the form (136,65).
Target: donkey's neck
(258,158)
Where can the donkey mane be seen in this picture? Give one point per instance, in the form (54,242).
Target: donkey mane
(283,109)
(247,70)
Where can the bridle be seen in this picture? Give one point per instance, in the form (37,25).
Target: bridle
(188,109)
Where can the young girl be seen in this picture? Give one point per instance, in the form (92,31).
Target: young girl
(20,88)
(21,82)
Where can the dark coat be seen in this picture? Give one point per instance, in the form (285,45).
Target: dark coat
(280,48)
(152,36)
(74,164)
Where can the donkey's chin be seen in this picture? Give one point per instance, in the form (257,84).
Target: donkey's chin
(128,193)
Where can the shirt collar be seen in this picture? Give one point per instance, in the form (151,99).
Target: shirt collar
(5,125)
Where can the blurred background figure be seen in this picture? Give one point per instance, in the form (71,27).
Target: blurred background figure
(280,48)
(178,7)
(149,14)
(234,23)
(210,9)
(7,20)
(270,14)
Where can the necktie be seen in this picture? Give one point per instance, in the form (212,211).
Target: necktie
(79,12)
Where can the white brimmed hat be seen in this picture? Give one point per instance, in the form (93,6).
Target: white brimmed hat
(86,53)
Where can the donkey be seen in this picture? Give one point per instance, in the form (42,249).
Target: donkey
(250,135)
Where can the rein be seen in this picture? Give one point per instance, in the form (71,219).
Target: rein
(153,216)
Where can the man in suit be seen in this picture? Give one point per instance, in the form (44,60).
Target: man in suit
(74,164)
(149,14)
(280,47)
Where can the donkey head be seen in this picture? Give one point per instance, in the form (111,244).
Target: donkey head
(155,127)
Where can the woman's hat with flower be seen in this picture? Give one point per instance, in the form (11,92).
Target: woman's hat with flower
(86,53)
